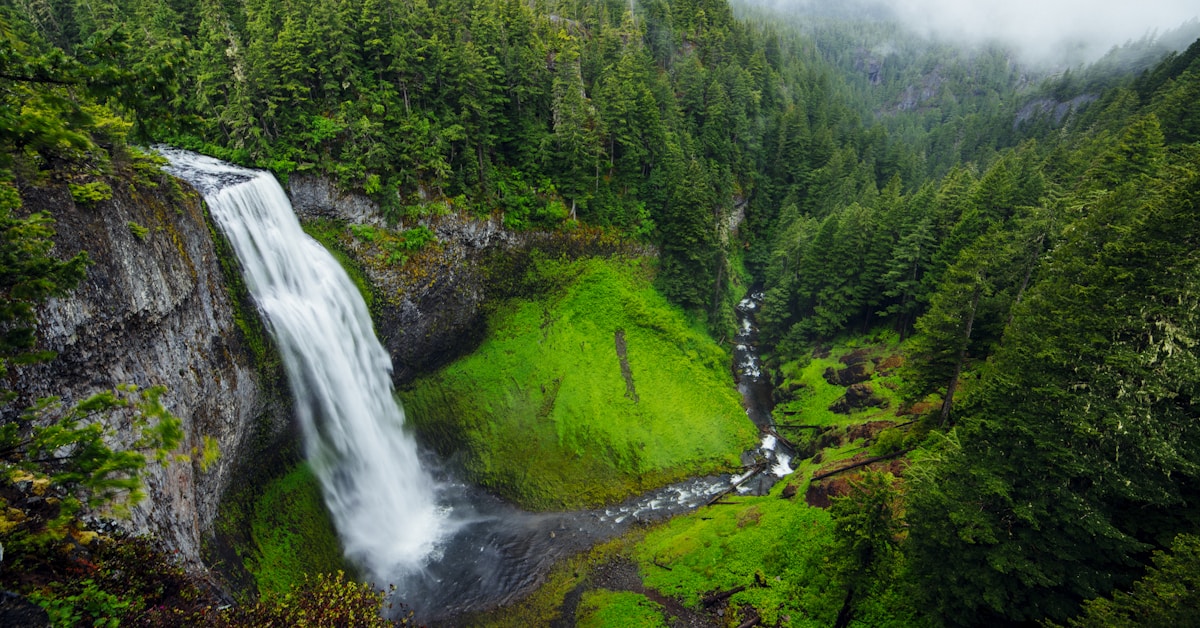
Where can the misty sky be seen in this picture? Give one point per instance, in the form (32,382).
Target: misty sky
(1045,28)
(1058,31)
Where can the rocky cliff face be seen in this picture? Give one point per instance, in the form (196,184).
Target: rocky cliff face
(432,305)
(153,310)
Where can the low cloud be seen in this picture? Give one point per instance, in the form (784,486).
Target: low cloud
(1043,30)
(1058,31)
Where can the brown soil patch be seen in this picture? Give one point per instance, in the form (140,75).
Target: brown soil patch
(920,408)
(820,494)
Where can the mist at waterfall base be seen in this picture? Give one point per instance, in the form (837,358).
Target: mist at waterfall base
(402,515)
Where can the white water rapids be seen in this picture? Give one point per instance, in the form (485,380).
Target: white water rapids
(382,501)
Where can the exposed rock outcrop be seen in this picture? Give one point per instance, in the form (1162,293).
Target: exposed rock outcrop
(858,397)
(432,304)
(153,310)
(1053,110)
(853,374)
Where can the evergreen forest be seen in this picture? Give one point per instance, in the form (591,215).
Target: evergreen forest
(1017,248)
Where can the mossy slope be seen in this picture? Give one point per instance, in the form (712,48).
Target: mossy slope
(293,534)
(545,414)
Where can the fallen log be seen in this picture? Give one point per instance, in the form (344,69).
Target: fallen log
(781,439)
(862,463)
(713,598)
(752,621)
(758,468)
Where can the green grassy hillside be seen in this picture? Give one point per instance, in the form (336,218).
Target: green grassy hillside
(595,391)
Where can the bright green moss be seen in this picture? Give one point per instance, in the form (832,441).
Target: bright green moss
(292,533)
(812,396)
(547,418)
(778,549)
(601,608)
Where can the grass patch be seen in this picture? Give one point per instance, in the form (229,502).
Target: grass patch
(601,608)
(546,416)
(292,533)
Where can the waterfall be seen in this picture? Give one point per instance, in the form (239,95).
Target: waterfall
(383,503)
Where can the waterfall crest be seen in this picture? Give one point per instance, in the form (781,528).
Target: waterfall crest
(382,501)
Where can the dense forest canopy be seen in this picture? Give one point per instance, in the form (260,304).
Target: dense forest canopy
(1031,236)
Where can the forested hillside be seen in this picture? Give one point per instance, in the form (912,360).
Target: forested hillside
(660,122)
(1027,239)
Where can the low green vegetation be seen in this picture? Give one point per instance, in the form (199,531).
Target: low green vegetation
(138,231)
(292,533)
(618,609)
(395,246)
(777,549)
(90,193)
(806,395)
(600,381)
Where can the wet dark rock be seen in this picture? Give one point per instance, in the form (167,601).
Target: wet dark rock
(857,397)
(18,612)
(853,374)
(858,356)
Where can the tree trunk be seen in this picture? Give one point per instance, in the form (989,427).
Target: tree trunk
(863,463)
(846,615)
(948,402)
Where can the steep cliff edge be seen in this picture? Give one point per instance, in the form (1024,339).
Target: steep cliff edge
(154,310)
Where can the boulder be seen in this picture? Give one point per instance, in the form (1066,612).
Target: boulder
(857,397)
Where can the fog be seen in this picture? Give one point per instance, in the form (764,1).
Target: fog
(1056,31)
(1046,30)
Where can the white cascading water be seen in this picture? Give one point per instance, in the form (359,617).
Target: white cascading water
(382,501)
